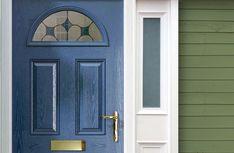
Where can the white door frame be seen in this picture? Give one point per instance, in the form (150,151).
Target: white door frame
(6,77)
(129,78)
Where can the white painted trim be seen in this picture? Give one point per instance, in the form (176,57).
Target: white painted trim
(152,142)
(1,131)
(129,77)
(174,76)
(152,145)
(6,77)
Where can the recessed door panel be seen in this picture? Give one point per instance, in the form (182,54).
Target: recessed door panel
(90,85)
(44,97)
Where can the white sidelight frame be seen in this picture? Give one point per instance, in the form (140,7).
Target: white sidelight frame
(132,82)
(129,79)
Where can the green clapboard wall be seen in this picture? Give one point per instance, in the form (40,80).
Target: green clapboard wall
(206,76)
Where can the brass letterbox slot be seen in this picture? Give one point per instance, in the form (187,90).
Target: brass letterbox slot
(67,145)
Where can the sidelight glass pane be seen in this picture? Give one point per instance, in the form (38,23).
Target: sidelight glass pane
(151,62)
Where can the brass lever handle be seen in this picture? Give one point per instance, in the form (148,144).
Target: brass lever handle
(115,118)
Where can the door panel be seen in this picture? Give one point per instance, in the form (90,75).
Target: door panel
(90,100)
(61,88)
(44,97)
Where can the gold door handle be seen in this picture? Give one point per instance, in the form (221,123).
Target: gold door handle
(115,118)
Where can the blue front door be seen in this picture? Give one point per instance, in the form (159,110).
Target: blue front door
(67,74)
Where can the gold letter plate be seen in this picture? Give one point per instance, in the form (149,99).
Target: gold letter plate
(67,145)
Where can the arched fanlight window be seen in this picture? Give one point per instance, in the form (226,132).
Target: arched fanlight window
(70,27)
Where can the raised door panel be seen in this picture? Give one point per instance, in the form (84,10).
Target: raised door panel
(90,101)
(44,97)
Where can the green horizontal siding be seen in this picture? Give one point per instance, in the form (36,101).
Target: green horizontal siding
(207,110)
(206,76)
(206,15)
(205,122)
(206,49)
(198,146)
(206,134)
(207,61)
(206,98)
(206,38)
(206,27)
(206,86)
(207,4)
(206,73)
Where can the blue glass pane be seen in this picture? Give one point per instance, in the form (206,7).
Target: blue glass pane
(151,62)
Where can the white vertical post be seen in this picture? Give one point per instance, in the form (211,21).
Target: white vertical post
(129,79)
(174,56)
(6,77)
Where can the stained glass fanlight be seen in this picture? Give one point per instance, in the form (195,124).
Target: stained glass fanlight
(67,26)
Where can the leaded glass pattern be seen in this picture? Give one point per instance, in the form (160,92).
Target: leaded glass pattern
(67,26)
